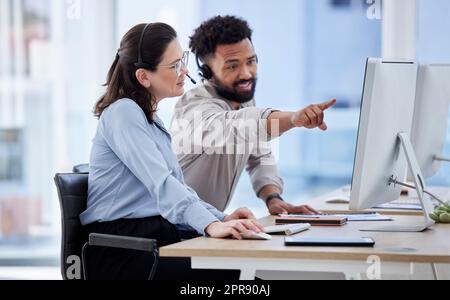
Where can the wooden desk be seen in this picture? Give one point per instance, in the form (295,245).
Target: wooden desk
(397,252)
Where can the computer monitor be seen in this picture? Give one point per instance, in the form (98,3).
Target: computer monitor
(431,112)
(387,109)
(383,148)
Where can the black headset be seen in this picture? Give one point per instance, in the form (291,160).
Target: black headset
(143,65)
(204,70)
(140,63)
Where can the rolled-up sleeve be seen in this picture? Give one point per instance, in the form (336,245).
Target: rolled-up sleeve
(131,140)
(240,127)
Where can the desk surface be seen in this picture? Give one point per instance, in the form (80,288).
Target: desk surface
(432,246)
(320,203)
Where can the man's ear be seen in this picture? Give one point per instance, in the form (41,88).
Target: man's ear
(143,77)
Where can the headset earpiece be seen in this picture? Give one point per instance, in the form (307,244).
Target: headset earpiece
(204,70)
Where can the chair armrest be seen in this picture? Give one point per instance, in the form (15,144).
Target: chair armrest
(122,242)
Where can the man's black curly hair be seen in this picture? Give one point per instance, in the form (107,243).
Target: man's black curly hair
(220,30)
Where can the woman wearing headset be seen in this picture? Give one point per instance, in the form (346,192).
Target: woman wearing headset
(136,186)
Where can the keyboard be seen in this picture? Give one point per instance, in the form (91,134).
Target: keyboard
(397,228)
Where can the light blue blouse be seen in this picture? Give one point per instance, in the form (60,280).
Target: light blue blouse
(134,173)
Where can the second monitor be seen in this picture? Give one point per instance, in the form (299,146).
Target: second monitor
(429,129)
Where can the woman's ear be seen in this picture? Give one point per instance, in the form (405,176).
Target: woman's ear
(143,76)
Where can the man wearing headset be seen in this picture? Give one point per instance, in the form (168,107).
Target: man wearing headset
(209,119)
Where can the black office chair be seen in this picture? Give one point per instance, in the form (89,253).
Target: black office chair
(84,168)
(72,192)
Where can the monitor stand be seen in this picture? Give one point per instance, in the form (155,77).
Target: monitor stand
(427,204)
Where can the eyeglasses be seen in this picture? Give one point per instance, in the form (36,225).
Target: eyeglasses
(180,64)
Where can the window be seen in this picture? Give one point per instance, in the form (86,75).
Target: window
(23,26)
(49,82)
(11,156)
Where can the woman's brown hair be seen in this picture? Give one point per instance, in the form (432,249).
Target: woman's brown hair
(121,81)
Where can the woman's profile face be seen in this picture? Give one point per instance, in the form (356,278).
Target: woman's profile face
(169,79)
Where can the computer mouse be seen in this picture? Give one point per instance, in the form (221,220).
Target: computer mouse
(257,236)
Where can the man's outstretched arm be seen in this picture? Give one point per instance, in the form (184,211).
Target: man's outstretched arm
(309,117)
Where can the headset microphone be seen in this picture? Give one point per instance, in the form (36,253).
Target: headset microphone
(192,80)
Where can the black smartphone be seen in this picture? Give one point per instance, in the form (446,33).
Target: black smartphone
(329,242)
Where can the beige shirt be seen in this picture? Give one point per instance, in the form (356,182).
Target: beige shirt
(215,143)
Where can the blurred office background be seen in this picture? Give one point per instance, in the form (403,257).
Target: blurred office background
(54,55)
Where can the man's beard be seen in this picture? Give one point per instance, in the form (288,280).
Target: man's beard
(232,94)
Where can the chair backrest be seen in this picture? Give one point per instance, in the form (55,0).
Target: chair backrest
(72,192)
(81,168)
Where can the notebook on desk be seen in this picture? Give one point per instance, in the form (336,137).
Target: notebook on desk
(313,220)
